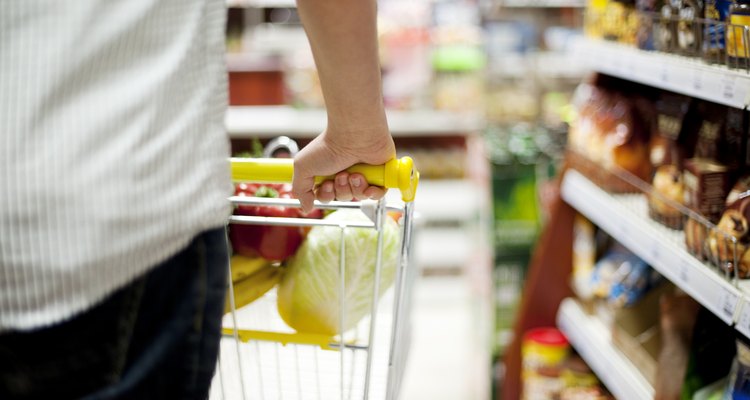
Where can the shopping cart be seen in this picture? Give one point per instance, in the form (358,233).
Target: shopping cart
(262,358)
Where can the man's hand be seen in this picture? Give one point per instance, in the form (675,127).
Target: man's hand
(332,152)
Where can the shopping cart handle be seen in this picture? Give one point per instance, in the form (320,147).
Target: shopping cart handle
(395,174)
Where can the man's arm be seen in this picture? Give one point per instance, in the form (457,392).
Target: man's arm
(343,38)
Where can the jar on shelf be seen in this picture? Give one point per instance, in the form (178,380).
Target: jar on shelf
(738,34)
(543,352)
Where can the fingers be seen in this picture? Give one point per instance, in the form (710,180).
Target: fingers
(347,187)
(324,192)
(343,188)
(302,188)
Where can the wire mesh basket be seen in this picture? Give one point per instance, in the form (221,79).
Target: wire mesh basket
(262,357)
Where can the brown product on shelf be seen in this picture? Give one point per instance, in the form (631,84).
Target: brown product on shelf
(696,232)
(720,133)
(669,139)
(718,138)
(728,242)
(707,184)
(677,316)
(695,238)
(668,190)
(610,134)
(636,331)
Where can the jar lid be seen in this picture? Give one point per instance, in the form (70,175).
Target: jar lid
(546,336)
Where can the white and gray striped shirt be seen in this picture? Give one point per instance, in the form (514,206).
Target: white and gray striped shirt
(113,153)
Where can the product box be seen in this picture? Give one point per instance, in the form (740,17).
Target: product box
(707,184)
(637,333)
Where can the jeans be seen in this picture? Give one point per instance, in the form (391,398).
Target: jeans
(156,338)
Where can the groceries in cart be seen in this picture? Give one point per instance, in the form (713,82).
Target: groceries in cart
(302,262)
(319,303)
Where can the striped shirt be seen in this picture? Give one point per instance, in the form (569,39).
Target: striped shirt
(113,154)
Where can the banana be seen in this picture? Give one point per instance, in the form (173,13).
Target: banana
(253,287)
(242,266)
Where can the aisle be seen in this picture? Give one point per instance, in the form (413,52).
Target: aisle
(446,360)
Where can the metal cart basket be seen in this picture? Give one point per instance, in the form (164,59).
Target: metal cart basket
(263,358)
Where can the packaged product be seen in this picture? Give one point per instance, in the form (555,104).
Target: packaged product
(668,193)
(707,184)
(718,153)
(739,376)
(646,31)
(715,13)
(728,242)
(689,31)
(620,23)
(622,278)
(668,146)
(665,31)
(611,133)
(543,352)
(737,48)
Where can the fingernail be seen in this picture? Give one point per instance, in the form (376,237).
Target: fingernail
(327,188)
(356,182)
(341,180)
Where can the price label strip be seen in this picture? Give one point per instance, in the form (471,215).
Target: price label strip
(743,325)
(727,304)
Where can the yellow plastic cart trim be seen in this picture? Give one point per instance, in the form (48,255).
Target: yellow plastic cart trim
(246,335)
(395,174)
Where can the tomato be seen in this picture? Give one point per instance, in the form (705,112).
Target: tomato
(275,243)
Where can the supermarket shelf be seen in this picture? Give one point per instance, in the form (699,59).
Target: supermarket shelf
(270,121)
(679,74)
(624,217)
(262,3)
(544,4)
(549,65)
(593,342)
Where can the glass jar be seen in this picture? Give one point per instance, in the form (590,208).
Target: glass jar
(738,34)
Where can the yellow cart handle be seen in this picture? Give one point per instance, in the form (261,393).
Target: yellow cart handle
(395,174)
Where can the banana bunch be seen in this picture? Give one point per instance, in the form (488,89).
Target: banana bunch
(251,279)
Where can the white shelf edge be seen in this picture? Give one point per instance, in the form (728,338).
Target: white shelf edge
(544,4)
(262,3)
(646,238)
(593,342)
(680,74)
(270,121)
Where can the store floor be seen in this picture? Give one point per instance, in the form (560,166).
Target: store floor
(447,360)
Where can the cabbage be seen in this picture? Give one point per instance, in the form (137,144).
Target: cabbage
(308,295)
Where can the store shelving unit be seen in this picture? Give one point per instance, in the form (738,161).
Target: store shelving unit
(680,74)
(262,3)
(593,342)
(544,3)
(625,218)
(271,121)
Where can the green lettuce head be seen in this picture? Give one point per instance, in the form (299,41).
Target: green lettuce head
(308,295)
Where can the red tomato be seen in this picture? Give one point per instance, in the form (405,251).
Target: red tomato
(275,243)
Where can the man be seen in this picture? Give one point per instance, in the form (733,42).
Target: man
(114,179)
